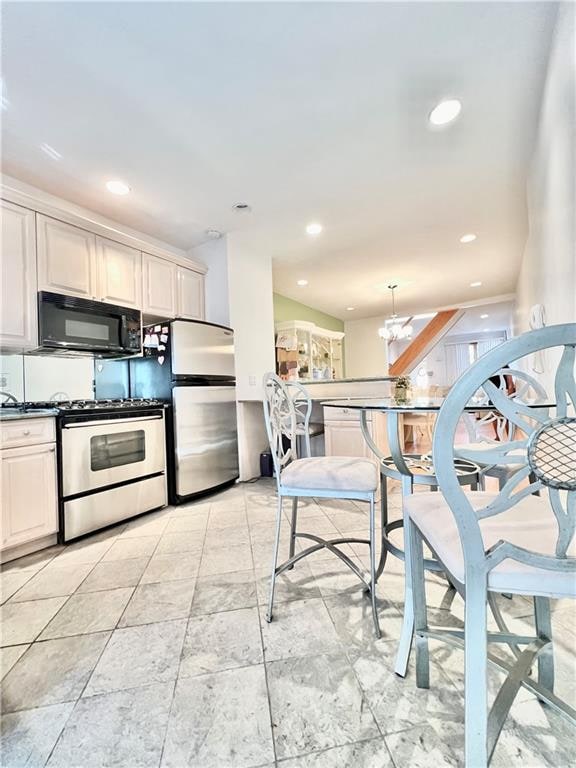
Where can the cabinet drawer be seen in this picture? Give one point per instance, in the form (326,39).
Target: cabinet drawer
(344,414)
(20,432)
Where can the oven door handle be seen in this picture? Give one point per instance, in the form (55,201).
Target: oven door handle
(104,422)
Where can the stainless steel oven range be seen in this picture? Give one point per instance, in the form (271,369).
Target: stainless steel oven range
(112,462)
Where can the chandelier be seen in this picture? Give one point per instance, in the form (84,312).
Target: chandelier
(395,329)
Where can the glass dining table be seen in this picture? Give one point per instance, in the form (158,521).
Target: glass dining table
(410,469)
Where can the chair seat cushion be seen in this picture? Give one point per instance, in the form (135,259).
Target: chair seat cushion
(530,524)
(331,473)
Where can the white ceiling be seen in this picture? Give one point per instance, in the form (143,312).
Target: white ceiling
(307,111)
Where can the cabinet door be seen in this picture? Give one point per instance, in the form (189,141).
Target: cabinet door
(159,287)
(119,273)
(344,438)
(66,258)
(28,493)
(190,294)
(18,314)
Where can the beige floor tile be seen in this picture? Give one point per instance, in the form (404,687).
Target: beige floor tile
(23,622)
(220,641)
(160,601)
(89,612)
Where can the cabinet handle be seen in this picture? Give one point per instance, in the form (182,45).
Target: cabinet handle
(26,432)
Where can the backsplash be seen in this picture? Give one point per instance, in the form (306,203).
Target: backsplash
(36,377)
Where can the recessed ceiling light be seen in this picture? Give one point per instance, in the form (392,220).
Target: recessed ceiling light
(445,112)
(486,330)
(314,229)
(213,234)
(483,317)
(242,207)
(117,187)
(468,238)
(50,151)
(476,284)
(350,309)
(302,282)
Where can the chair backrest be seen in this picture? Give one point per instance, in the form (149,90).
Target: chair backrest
(281,422)
(525,388)
(303,408)
(548,451)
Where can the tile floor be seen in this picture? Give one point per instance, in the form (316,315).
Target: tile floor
(146,645)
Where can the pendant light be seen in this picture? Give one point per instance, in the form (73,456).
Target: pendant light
(393,330)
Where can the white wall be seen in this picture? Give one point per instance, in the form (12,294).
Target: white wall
(548,272)
(365,353)
(239,294)
(215,255)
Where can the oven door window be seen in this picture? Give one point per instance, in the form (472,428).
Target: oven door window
(117,449)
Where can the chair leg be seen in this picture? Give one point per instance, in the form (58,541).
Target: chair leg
(475,672)
(293,529)
(275,559)
(416,555)
(544,631)
(383,523)
(405,644)
(373,567)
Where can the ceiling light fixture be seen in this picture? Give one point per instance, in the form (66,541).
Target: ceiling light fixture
(476,284)
(302,282)
(242,208)
(444,112)
(483,317)
(50,151)
(213,234)
(469,238)
(350,309)
(394,330)
(314,229)
(117,187)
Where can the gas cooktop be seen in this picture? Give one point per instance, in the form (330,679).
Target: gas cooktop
(67,406)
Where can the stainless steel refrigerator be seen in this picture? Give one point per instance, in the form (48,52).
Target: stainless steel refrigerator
(192,364)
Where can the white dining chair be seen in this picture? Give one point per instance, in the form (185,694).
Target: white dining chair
(518,541)
(480,442)
(333,477)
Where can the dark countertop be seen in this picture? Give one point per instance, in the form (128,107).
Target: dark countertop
(10,414)
(347,381)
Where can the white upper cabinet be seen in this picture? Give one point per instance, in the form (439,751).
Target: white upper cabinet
(66,258)
(18,313)
(190,294)
(120,273)
(160,277)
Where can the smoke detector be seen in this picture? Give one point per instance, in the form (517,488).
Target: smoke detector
(242,208)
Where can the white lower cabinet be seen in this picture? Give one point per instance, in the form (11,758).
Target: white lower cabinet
(29,494)
(345,438)
(343,433)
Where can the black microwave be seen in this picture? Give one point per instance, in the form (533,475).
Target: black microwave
(68,325)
